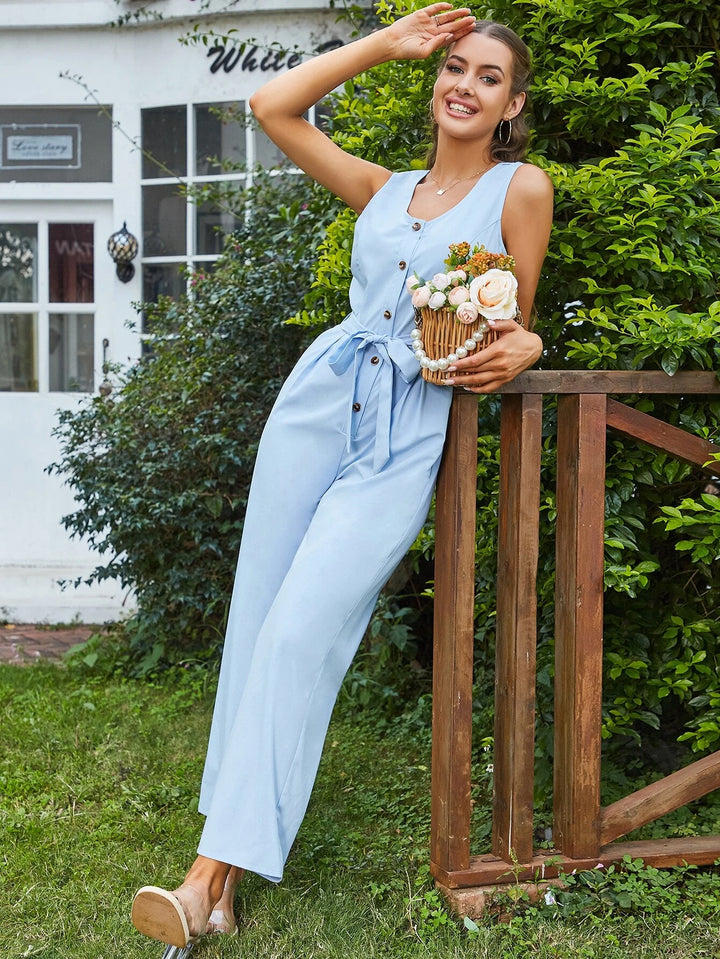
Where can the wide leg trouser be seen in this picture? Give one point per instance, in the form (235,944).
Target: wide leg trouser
(322,534)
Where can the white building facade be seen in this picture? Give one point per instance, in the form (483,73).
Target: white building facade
(99,126)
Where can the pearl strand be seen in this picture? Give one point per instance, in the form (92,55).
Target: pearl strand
(442,364)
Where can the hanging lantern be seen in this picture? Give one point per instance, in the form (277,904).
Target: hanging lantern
(123,248)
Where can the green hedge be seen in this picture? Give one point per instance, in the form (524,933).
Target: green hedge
(625,114)
(160,469)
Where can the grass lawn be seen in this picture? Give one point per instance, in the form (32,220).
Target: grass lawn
(98,786)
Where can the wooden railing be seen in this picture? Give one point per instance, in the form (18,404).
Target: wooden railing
(583,831)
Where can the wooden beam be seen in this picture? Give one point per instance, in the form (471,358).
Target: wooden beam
(662,436)
(660,798)
(612,381)
(579,622)
(518,523)
(453,636)
(489,870)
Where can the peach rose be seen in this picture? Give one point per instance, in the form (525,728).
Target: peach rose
(467,312)
(420,296)
(458,295)
(413,282)
(495,294)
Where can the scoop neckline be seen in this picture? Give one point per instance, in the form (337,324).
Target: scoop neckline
(433,219)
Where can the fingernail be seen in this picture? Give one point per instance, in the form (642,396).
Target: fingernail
(491,322)
(450,382)
(451,369)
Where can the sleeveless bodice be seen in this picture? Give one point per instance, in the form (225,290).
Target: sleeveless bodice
(390,244)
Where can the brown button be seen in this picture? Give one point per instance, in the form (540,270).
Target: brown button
(356,407)
(375,360)
(417,226)
(402,264)
(387,314)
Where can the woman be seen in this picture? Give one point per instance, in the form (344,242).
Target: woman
(350,453)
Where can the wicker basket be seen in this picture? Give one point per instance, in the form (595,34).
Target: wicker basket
(442,334)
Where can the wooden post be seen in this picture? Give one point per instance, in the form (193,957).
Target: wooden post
(453,638)
(579,622)
(518,523)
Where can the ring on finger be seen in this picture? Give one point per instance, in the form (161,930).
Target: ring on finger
(436,18)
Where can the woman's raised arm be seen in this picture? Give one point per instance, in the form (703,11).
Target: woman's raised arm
(280,104)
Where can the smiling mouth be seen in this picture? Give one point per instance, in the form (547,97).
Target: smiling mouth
(461,109)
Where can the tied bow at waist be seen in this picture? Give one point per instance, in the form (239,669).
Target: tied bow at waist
(397,356)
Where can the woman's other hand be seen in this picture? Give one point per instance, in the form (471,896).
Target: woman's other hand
(501,361)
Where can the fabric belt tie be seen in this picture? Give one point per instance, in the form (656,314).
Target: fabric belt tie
(397,356)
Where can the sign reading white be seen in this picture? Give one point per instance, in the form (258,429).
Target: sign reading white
(39,148)
(40,145)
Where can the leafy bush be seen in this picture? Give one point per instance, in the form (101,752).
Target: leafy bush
(625,111)
(625,115)
(160,469)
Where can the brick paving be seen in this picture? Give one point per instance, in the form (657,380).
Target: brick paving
(29,643)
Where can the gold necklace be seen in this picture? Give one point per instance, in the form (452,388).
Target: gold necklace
(460,179)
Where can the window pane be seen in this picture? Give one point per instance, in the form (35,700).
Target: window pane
(212,224)
(18,352)
(266,153)
(219,137)
(163,221)
(72,348)
(71,262)
(162,280)
(164,137)
(18,263)
(57,144)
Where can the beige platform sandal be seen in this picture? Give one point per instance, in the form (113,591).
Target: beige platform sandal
(159,914)
(220,923)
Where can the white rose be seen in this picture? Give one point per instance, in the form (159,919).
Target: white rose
(440,281)
(495,294)
(467,312)
(457,276)
(437,300)
(458,295)
(420,296)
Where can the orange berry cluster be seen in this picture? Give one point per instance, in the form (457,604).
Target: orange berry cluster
(477,260)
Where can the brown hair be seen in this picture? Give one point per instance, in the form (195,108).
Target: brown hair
(516,147)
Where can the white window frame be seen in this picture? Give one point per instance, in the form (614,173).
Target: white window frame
(190,259)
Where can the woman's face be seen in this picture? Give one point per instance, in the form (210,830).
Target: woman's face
(472,93)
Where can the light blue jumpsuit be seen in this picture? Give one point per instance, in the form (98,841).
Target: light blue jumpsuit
(342,485)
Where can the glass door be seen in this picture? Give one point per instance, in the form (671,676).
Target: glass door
(71,312)
(50,336)
(18,307)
